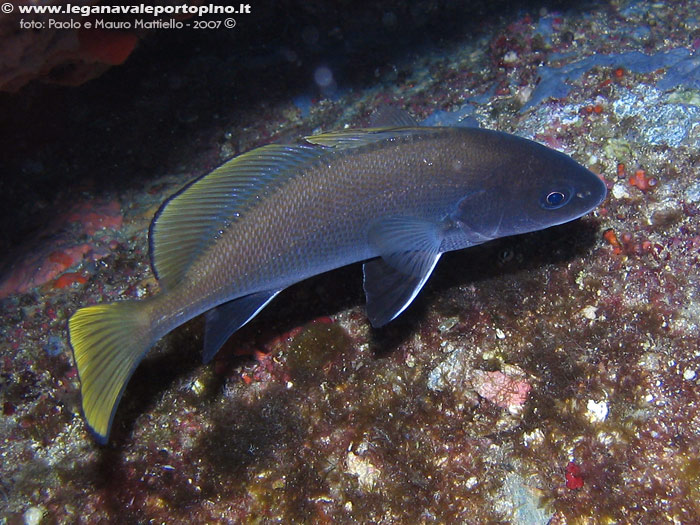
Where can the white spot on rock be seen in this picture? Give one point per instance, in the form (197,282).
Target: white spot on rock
(33,515)
(589,312)
(596,411)
(619,191)
(367,474)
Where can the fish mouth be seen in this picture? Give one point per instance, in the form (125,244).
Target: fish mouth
(592,198)
(603,193)
(595,193)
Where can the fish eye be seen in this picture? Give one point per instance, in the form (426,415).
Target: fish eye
(555,199)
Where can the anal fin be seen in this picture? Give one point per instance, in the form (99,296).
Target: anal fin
(225,319)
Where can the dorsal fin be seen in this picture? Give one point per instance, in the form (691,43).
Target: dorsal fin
(355,138)
(192,220)
(392,117)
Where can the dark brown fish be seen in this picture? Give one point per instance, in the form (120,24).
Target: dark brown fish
(397,197)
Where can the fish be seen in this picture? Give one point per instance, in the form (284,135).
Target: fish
(395,195)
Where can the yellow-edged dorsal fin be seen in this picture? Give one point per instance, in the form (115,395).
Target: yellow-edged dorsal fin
(356,138)
(196,216)
(392,117)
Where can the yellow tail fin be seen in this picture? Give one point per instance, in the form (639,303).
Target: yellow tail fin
(109,341)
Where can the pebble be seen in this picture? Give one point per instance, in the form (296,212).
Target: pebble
(33,515)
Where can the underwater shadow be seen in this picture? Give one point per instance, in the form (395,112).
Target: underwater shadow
(520,253)
(170,360)
(499,258)
(179,353)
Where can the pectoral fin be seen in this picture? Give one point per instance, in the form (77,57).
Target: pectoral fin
(409,251)
(225,319)
(389,292)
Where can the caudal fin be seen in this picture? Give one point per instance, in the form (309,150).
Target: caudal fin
(109,341)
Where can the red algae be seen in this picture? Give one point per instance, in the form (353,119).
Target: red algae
(574,480)
(60,249)
(37,268)
(501,389)
(62,259)
(642,181)
(611,238)
(68,279)
(92,217)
